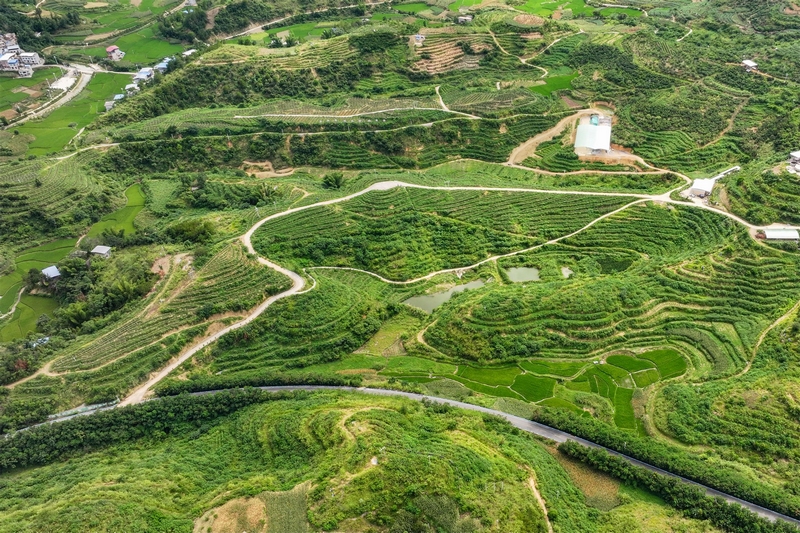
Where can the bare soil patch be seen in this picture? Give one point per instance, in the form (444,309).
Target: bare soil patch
(601,490)
(571,103)
(136,3)
(532,36)
(529,20)
(211,15)
(8,113)
(92,5)
(792,9)
(99,36)
(235,516)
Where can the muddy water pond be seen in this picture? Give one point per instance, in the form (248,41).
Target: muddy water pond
(429,302)
(520,274)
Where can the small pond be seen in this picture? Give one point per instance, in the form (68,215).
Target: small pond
(429,302)
(519,274)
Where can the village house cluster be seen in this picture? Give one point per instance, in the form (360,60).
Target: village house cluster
(15,59)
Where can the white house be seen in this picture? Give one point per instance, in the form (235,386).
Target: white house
(30,58)
(51,273)
(25,71)
(749,65)
(187,53)
(782,234)
(464,19)
(131,88)
(146,74)
(109,105)
(794,158)
(103,251)
(9,61)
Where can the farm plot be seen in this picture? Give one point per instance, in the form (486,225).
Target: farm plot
(229,282)
(405,233)
(444,53)
(650,303)
(122,219)
(55,131)
(23,321)
(16,90)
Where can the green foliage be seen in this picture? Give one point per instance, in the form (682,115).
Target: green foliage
(691,500)
(689,465)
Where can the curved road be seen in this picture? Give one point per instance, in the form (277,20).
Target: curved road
(541,430)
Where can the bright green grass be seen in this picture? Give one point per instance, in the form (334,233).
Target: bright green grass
(122,219)
(141,48)
(631,364)
(489,376)
(298,31)
(415,7)
(39,257)
(645,377)
(500,391)
(556,368)
(561,404)
(28,311)
(463,3)
(555,83)
(534,388)
(545,8)
(670,363)
(53,132)
(617,10)
(7,84)
(623,409)
(407,364)
(161,192)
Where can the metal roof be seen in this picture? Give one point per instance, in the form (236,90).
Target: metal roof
(101,249)
(749,63)
(51,272)
(782,234)
(706,185)
(594,137)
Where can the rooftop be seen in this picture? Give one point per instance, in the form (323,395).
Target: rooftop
(51,272)
(787,234)
(101,250)
(706,184)
(595,137)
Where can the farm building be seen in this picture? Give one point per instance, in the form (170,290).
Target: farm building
(419,39)
(162,67)
(464,19)
(146,74)
(114,53)
(749,65)
(782,234)
(702,187)
(50,273)
(110,104)
(794,158)
(118,97)
(593,136)
(103,251)
(25,71)
(131,88)
(187,53)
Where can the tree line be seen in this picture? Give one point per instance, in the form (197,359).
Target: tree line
(689,499)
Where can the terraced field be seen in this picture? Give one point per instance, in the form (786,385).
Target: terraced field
(229,282)
(405,233)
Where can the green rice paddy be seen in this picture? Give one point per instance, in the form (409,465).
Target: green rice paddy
(28,311)
(555,83)
(122,219)
(545,8)
(56,130)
